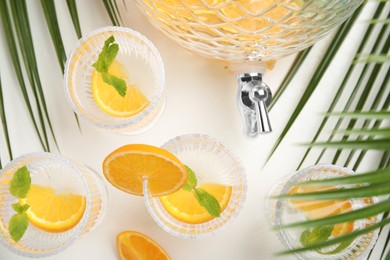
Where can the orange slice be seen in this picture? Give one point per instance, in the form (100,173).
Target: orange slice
(129,166)
(108,99)
(133,245)
(52,211)
(183,205)
(315,209)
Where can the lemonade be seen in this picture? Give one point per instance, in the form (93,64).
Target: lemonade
(62,200)
(114,79)
(287,211)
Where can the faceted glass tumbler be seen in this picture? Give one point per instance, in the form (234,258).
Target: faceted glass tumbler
(212,162)
(144,68)
(285,211)
(62,175)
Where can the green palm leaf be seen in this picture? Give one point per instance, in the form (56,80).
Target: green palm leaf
(11,44)
(377,144)
(23,31)
(361,213)
(289,76)
(379,11)
(384,114)
(383,132)
(4,124)
(52,22)
(75,17)
(321,69)
(113,11)
(339,239)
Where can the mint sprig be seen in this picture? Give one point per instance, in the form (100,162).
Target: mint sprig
(19,187)
(316,235)
(205,199)
(321,234)
(103,63)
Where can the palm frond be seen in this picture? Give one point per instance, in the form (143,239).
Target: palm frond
(372,58)
(350,216)
(52,23)
(289,76)
(113,11)
(49,10)
(4,124)
(339,239)
(378,12)
(23,31)
(383,114)
(372,177)
(321,69)
(377,144)
(11,44)
(383,132)
(75,17)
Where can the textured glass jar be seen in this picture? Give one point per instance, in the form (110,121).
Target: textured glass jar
(247,34)
(246,30)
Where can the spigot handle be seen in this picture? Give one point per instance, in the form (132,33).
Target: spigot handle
(253,98)
(263,123)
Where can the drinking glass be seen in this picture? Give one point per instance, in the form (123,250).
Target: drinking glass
(212,162)
(284,211)
(142,64)
(247,34)
(62,175)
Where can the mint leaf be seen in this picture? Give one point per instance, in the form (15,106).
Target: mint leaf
(20,183)
(191,180)
(105,59)
(100,65)
(317,235)
(19,208)
(17,226)
(119,84)
(208,201)
(111,54)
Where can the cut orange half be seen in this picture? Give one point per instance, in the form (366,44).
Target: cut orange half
(52,211)
(183,205)
(129,166)
(133,245)
(108,99)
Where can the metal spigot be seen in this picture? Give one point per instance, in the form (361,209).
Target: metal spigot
(254,96)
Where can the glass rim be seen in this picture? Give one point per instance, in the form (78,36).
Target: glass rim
(82,223)
(126,121)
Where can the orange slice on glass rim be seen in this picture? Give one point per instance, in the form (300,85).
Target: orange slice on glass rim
(129,166)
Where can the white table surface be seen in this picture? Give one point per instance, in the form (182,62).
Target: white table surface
(201,98)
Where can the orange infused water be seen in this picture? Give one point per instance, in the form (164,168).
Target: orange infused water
(47,202)
(212,195)
(287,211)
(114,79)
